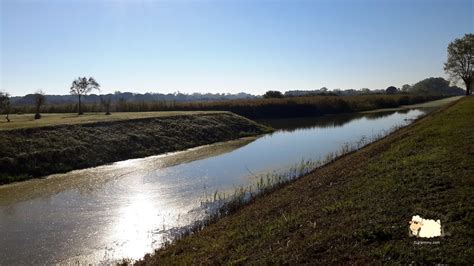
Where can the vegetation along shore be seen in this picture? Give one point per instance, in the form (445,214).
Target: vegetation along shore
(307,106)
(298,106)
(33,150)
(357,208)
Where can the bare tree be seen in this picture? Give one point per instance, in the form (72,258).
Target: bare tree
(106,103)
(461,60)
(40,99)
(5,104)
(82,86)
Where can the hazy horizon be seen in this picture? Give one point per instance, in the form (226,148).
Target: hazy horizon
(226,47)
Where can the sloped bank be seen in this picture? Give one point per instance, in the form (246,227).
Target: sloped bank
(33,152)
(357,208)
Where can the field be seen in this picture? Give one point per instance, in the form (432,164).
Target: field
(357,208)
(54,119)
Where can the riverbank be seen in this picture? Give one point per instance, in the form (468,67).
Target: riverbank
(31,152)
(357,208)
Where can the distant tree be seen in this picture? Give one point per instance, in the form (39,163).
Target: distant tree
(391,90)
(106,103)
(438,86)
(406,88)
(81,87)
(323,89)
(273,94)
(459,64)
(40,99)
(5,104)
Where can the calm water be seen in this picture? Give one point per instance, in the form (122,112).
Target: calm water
(127,209)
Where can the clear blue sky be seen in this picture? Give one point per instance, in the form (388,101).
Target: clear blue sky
(226,46)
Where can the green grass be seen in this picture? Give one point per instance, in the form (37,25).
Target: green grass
(356,209)
(53,119)
(31,152)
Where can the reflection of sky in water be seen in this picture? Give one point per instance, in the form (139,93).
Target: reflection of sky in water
(121,210)
(278,150)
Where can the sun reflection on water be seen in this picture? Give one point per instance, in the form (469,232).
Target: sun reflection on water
(133,231)
(143,223)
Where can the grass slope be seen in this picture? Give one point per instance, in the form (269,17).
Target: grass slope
(33,152)
(357,209)
(19,121)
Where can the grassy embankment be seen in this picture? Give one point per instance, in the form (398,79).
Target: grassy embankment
(356,209)
(19,121)
(257,108)
(57,144)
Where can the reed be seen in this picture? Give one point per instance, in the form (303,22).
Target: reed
(253,108)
